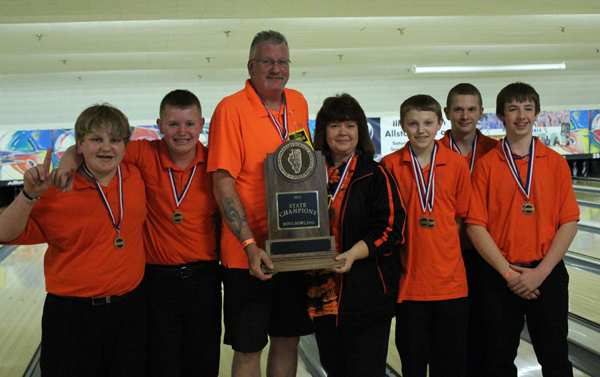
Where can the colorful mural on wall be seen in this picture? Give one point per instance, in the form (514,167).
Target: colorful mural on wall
(567,132)
(21,150)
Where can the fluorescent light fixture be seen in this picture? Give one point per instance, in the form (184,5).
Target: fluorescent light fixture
(491,68)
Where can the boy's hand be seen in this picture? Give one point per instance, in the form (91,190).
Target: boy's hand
(63,178)
(526,282)
(36,180)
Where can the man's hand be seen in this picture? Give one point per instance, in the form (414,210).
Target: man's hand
(525,282)
(256,257)
(36,180)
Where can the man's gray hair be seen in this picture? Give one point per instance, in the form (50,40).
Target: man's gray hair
(270,36)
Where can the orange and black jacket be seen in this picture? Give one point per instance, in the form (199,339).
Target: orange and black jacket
(372,211)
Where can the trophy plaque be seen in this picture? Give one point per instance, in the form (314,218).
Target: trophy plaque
(297,213)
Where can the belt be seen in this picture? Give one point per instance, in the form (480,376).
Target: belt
(533,264)
(97,300)
(182,271)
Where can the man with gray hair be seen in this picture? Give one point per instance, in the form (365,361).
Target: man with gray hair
(244,128)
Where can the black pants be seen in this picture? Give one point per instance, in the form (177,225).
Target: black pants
(184,319)
(474,264)
(81,339)
(547,317)
(434,333)
(359,351)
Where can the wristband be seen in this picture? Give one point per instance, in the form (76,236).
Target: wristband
(248,242)
(25,194)
(508,274)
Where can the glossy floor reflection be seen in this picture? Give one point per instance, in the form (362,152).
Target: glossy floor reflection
(22,294)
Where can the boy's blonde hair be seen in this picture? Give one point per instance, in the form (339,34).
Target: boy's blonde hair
(421,102)
(97,117)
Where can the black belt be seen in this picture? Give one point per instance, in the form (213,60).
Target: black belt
(182,271)
(533,264)
(97,300)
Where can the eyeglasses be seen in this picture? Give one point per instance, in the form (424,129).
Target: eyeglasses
(270,63)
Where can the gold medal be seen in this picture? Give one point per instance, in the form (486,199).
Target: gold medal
(527,208)
(430,223)
(177,217)
(424,222)
(119,242)
(331,213)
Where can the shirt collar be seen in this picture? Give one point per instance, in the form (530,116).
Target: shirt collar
(167,162)
(540,149)
(257,104)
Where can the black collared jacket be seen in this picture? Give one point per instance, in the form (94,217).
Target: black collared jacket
(372,211)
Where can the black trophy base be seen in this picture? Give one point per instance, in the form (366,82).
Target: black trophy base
(301,254)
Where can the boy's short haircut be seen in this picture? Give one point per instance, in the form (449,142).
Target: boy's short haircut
(519,92)
(421,102)
(341,108)
(97,117)
(180,99)
(463,89)
(268,36)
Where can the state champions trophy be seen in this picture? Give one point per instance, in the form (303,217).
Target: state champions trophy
(297,209)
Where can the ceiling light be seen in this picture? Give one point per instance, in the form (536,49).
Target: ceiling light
(491,68)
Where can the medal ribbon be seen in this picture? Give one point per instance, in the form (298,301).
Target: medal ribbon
(526,189)
(112,217)
(342,177)
(426,191)
(473,149)
(179,198)
(282,134)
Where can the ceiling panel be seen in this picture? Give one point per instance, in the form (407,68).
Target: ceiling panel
(130,53)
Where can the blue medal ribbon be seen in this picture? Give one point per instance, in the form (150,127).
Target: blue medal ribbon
(282,134)
(179,198)
(454,147)
(342,178)
(426,191)
(525,188)
(105,201)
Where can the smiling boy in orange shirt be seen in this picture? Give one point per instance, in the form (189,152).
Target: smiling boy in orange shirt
(431,313)
(522,219)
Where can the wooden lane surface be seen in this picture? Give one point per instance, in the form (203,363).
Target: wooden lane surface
(22,294)
(583,294)
(587,244)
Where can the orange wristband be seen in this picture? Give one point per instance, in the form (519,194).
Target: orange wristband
(510,272)
(248,242)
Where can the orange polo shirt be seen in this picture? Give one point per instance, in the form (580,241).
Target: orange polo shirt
(81,259)
(483,146)
(432,257)
(166,242)
(496,202)
(241,135)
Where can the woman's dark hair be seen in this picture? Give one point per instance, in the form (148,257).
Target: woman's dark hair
(340,108)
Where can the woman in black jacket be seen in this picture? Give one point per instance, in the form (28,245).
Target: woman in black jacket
(353,306)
